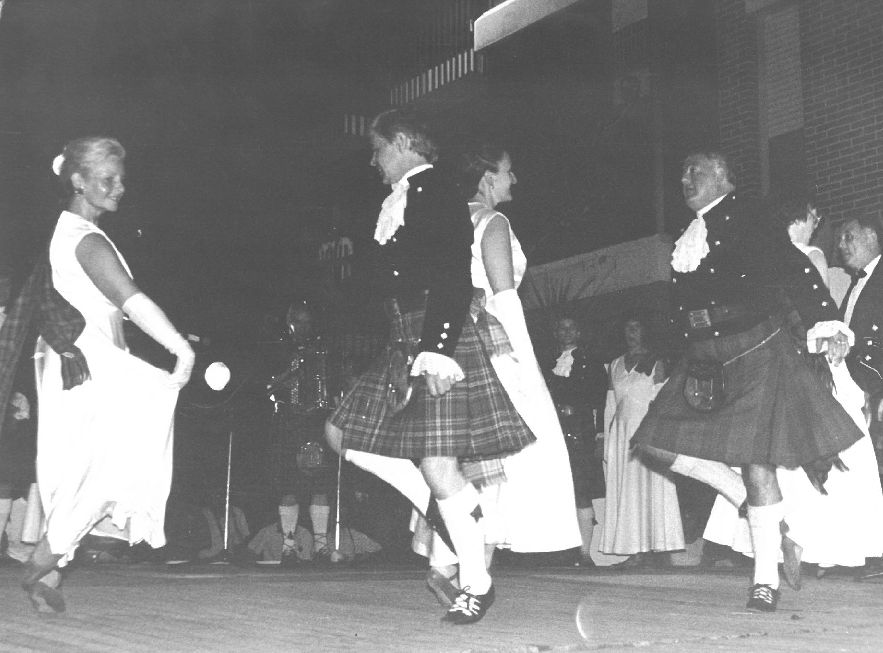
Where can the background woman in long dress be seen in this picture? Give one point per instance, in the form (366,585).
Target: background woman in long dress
(104,458)
(533,509)
(641,510)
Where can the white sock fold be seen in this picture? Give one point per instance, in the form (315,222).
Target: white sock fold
(718,475)
(288,516)
(401,473)
(468,538)
(766,539)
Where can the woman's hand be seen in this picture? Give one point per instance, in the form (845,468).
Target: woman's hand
(436,384)
(183,367)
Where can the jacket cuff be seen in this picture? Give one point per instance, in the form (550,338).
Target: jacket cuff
(827,329)
(431,363)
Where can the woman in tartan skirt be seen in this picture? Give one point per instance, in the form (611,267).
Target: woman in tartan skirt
(433,395)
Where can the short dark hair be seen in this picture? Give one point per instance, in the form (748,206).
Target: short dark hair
(477,160)
(409,123)
(784,209)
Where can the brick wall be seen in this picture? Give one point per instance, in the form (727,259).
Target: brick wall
(842,58)
(738,78)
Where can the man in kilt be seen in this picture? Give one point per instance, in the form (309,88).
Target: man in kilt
(432,396)
(744,394)
(300,470)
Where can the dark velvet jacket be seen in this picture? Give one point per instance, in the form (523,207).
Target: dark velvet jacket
(752,264)
(37,308)
(584,390)
(865,359)
(431,251)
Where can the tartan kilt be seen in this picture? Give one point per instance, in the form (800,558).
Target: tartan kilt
(474,420)
(775,409)
(289,432)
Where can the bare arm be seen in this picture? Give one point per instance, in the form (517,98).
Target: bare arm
(496,252)
(818,259)
(103,267)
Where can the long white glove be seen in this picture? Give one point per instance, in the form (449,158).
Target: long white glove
(506,307)
(151,320)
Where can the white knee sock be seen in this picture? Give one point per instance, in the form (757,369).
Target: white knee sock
(16,549)
(439,554)
(467,537)
(319,517)
(288,521)
(766,540)
(585,517)
(398,472)
(711,472)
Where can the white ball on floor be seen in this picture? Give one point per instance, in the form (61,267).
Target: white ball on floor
(336,556)
(217,375)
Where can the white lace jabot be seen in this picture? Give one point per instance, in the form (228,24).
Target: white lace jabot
(392,211)
(692,246)
(564,363)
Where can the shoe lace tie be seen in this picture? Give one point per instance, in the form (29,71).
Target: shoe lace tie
(762,593)
(467,603)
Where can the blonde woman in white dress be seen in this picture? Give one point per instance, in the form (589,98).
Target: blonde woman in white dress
(534,509)
(104,448)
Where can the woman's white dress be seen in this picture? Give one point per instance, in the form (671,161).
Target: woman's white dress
(104,448)
(641,511)
(840,528)
(535,506)
(534,509)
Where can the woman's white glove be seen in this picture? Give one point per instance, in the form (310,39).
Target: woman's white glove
(506,307)
(151,320)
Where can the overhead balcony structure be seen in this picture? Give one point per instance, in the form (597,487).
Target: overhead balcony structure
(511,16)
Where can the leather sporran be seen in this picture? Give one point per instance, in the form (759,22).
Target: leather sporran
(704,385)
(311,457)
(399,386)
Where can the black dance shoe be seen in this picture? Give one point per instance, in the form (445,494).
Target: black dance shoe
(43,598)
(469,608)
(762,598)
(442,586)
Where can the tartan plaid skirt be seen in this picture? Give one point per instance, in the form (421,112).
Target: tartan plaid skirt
(474,420)
(775,409)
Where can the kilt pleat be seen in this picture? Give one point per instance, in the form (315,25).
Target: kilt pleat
(474,420)
(775,410)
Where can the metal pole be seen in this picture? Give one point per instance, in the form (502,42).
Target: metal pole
(337,512)
(227,501)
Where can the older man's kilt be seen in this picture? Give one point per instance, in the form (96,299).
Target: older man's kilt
(474,420)
(290,433)
(775,410)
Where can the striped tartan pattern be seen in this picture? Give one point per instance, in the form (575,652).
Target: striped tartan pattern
(474,420)
(775,409)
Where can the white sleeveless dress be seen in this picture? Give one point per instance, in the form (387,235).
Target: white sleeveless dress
(535,508)
(641,512)
(104,448)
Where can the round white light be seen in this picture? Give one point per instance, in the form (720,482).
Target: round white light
(217,375)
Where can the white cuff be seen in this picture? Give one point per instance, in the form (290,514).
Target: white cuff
(431,363)
(827,329)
